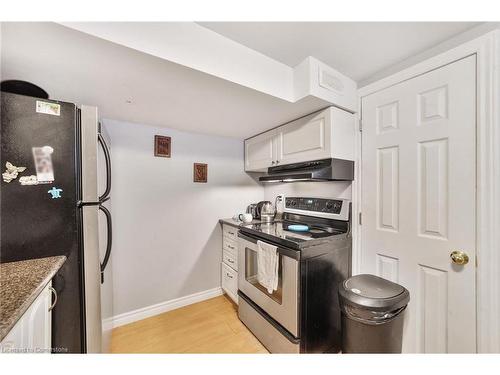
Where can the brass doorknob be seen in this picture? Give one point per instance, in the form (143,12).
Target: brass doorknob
(459,257)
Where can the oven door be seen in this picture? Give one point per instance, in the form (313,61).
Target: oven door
(282,304)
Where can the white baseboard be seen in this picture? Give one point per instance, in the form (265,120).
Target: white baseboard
(159,308)
(108,324)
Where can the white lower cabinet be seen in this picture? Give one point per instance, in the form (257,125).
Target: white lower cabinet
(230,246)
(32,332)
(229,265)
(229,232)
(230,282)
(230,259)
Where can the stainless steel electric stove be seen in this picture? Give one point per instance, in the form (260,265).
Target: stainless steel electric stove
(313,241)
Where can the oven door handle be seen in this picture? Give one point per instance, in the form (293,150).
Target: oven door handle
(294,254)
(247,238)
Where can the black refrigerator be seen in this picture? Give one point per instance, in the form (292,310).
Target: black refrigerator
(52,207)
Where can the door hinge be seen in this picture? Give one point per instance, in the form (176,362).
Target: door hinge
(360,125)
(359,219)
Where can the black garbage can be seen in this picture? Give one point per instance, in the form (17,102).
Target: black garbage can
(372,314)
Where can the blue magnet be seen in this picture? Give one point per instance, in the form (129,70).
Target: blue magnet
(56,192)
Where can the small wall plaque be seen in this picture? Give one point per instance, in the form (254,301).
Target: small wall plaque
(162,146)
(200,172)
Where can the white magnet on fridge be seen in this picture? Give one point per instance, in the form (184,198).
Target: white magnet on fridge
(11,172)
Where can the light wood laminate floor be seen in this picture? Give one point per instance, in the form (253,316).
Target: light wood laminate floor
(210,326)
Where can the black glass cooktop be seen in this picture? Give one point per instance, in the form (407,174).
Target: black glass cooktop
(280,231)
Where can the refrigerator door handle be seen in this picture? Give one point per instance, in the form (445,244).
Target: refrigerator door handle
(80,204)
(109,241)
(107,157)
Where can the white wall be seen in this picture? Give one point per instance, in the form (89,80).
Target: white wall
(166,236)
(194,46)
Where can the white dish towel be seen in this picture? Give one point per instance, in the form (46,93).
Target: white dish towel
(267,266)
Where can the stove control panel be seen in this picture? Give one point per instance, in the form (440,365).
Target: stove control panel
(338,209)
(315,205)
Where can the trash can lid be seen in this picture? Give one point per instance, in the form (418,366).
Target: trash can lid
(373,292)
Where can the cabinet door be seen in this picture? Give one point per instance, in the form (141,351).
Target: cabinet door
(13,342)
(230,259)
(32,333)
(305,139)
(38,323)
(230,282)
(230,232)
(260,152)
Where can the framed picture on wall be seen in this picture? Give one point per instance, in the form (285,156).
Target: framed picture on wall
(200,172)
(162,146)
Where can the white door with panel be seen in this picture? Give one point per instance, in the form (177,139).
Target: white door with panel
(419,201)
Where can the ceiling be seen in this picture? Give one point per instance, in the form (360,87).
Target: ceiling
(132,86)
(357,49)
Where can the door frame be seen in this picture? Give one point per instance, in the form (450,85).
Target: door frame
(487,51)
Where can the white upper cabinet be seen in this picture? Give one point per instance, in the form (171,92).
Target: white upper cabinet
(321,135)
(260,151)
(307,138)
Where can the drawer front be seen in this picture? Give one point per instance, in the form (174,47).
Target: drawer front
(268,335)
(230,259)
(230,281)
(230,246)
(230,232)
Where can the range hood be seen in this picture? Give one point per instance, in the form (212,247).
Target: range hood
(316,170)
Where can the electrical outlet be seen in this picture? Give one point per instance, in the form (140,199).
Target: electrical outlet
(280,203)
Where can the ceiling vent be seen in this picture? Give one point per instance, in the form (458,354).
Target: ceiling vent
(330,82)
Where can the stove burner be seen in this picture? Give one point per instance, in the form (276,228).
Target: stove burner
(285,229)
(298,228)
(282,230)
(316,230)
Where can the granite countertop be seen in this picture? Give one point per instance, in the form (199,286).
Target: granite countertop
(20,283)
(237,223)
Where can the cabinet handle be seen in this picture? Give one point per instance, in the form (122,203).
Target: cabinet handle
(228,275)
(230,261)
(54,292)
(231,233)
(272,162)
(231,247)
(277,161)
